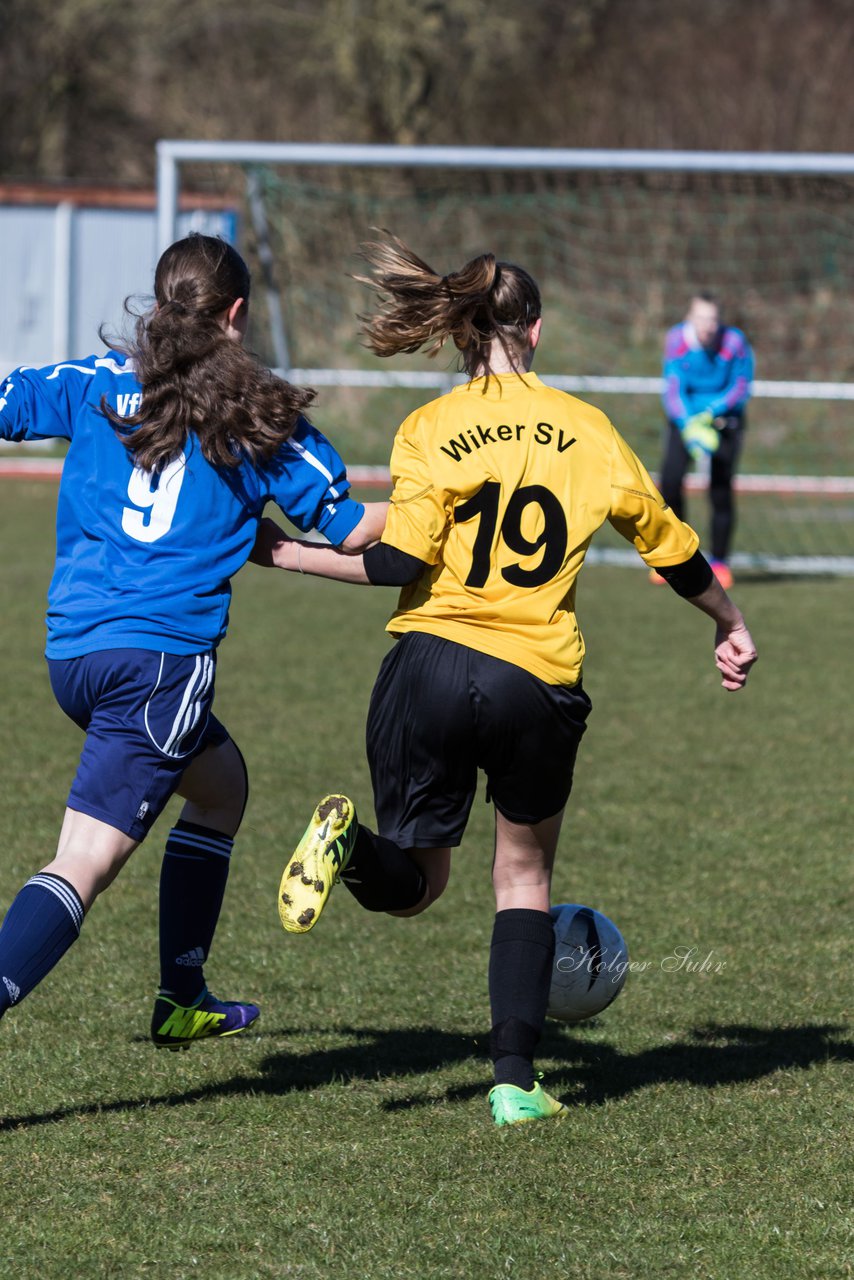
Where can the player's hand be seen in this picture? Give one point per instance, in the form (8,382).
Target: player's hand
(735,654)
(700,436)
(270,541)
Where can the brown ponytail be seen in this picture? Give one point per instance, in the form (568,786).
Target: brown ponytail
(194,377)
(419,308)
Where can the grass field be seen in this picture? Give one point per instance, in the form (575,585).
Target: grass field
(711,1120)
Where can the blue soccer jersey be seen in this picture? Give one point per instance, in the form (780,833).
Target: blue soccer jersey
(696,379)
(145,561)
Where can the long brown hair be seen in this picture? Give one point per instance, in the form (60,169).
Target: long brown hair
(419,308)
(194,377)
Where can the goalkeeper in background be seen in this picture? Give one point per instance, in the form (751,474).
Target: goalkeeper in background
(708,370)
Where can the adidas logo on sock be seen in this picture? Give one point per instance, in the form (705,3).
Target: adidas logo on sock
(192,959)
(13,988)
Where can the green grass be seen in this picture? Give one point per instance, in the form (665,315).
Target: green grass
(709,1134)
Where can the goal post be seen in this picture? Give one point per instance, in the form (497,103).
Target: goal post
(618,241)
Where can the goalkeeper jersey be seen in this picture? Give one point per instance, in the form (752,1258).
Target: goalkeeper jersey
(718,380)
(145,561)
(499,486)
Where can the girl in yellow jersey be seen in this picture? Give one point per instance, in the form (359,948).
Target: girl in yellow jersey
(498,489)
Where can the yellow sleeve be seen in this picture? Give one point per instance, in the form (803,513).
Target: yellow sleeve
(417,521)
(640,514)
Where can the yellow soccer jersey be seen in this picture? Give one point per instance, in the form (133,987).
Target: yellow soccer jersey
(499,486)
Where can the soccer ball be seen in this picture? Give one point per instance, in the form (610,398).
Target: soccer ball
(590,965)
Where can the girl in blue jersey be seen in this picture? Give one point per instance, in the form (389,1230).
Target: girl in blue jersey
(176,442)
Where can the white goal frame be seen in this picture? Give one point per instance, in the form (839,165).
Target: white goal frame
(172,154)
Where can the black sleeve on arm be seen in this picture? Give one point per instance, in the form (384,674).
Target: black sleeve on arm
(689,578)
(388,567)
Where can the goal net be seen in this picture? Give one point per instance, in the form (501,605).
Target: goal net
(617,247)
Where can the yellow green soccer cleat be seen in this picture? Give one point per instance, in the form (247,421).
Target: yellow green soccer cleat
(512,1105)
(177,1026)
(316,863)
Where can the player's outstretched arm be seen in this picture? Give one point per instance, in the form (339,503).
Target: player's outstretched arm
(379,565)
(735,652)
(275,550)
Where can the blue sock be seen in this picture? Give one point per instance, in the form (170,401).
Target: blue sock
(192,887)
(40,926)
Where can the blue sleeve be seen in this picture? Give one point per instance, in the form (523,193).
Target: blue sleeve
(672,398)
(736,349)
(309,482)
(41,404)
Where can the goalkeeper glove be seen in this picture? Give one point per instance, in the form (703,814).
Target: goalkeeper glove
(700,436)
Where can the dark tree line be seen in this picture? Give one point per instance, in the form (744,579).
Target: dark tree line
(88,86)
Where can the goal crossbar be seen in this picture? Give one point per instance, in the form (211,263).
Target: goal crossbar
(172,152)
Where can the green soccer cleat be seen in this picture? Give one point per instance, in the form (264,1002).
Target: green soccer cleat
(316,863)
(512,1105)
(177,1026)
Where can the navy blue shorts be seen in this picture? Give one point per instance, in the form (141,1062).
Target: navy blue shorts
(439,712)
(146,716)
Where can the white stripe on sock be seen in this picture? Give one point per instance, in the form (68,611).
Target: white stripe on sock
(66,895)
(192,839)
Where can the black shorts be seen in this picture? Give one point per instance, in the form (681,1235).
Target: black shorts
(439,711)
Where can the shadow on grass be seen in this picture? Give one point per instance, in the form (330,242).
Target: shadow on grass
(711,1055)
(581,1072)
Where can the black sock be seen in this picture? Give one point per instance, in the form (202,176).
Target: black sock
(381,876)
(192,885)
(520,967)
